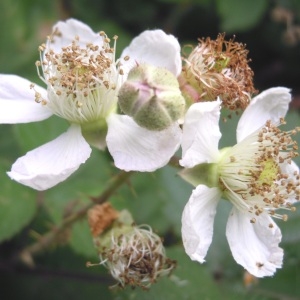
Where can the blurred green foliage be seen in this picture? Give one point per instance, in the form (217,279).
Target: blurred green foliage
(156,199)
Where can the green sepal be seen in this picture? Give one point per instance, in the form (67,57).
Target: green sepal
(206,174)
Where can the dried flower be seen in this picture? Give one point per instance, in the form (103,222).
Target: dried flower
(218,68)
(134,255)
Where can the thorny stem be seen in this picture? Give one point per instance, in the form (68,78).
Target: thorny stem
(48,239)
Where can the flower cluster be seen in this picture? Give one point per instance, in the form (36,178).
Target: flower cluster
(83,79)
(143,107)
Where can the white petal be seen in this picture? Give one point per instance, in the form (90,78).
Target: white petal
(69,29)
(271,104)
(154,47)
(47,165)
(17,101)
(201,134)
(197,221)
(254,246)
(137,149)
(290,169)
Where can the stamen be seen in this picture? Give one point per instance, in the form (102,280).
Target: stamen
(219,68)
(82,80)
(252,174)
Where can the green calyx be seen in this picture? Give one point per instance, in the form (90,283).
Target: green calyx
(95,133)
(206,174)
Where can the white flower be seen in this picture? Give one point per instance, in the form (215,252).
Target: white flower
(256,175)
(83,78)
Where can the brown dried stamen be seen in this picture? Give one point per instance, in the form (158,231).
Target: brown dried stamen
(220,68)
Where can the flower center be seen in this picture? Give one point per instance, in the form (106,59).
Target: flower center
(257,174)
(82,80)
(269,172)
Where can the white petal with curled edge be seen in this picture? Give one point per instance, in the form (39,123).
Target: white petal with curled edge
(292,170)
(271,104)
(17,101)
(254,246)
(138,149)
(201,134)
(66,31)
(51,163)
(153,47)
(197,221)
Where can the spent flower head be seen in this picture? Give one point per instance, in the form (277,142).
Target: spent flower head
(218,68)
(134,255)
(257,175)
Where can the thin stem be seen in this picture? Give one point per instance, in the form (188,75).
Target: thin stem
(50,237)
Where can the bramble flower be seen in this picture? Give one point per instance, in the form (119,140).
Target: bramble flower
(257,175)
(83,79)
(134,255)
(218,68)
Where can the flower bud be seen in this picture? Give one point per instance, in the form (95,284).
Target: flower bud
(134,255)
(151,95)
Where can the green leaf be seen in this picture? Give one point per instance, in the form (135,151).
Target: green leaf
(89,180)
(155,198)
(240,15)
(17,205)
(35,134)
(82,240)
(178,193)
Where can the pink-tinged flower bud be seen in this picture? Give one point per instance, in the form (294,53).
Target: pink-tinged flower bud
(151,95)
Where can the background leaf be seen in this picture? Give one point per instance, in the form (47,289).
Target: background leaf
(18,205)
(240,15)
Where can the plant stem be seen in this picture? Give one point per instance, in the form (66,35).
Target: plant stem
(49,238)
